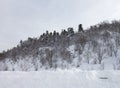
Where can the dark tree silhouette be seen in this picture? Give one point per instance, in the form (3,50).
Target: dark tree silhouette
(47,32)
(80,28)
(70,31)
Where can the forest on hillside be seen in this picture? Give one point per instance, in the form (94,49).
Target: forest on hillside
(93,46)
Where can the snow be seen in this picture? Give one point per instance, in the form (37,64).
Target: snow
(73,78)
(71,49)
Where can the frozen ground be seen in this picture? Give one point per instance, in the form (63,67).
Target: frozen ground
(60,79)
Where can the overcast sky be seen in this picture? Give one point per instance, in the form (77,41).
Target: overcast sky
(20,19)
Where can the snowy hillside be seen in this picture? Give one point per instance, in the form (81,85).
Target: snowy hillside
(96,48)
(60,79)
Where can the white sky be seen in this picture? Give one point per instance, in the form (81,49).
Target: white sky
(20,19)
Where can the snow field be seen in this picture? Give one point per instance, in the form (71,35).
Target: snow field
(60,79)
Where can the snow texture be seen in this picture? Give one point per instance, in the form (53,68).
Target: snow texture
(60,79)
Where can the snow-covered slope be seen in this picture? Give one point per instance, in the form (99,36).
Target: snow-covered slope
(60,79)
(95,49)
